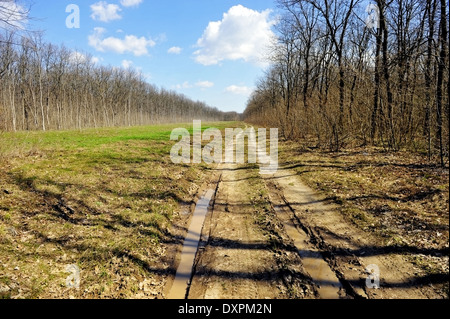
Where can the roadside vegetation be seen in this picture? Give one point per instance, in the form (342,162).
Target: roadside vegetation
(102,199)
(399,197)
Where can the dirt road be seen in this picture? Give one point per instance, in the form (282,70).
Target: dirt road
(270,236)
(349,252)
(237,260)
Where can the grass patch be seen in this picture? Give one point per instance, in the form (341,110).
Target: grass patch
(103,199)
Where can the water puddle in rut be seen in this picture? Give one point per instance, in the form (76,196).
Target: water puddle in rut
(329,286)
(190,247)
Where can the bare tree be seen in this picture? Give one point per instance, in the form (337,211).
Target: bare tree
(388,83)
(12,14)
(430,11)
(443,60)
(46,87)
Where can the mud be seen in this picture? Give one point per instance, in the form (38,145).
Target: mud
(301,247)
(237,260)
(182,280)
(347,250)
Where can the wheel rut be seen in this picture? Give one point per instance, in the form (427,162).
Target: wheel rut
(299,247)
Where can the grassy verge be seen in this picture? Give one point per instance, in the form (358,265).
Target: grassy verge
(397,197)
(102,199)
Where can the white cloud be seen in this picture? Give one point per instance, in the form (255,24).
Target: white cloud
(204,84)
(130,3)
(239,90)
(126,64)
(78,57)
(96,60)
(242,34)
(185,85)
(129,44)
(105,12)
(174,50)
(199,84)
(12,15)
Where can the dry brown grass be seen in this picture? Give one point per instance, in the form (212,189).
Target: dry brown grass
(104,200)
(397,196)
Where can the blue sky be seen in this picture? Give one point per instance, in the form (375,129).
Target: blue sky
(208,50)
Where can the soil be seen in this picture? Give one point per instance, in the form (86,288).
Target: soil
(238,259)
(292,243)
(348,250)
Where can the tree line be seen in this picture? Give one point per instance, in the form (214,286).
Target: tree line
(349,73)
(50,87)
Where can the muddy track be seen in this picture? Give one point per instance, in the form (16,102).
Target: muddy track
(188,229)
(316,256)
(270,236)
(348,251)
(237,259)
(241,249)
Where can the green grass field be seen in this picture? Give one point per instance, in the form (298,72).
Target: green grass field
(102,199)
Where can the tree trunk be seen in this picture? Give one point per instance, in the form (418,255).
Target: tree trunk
(440,77)
(376,96)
